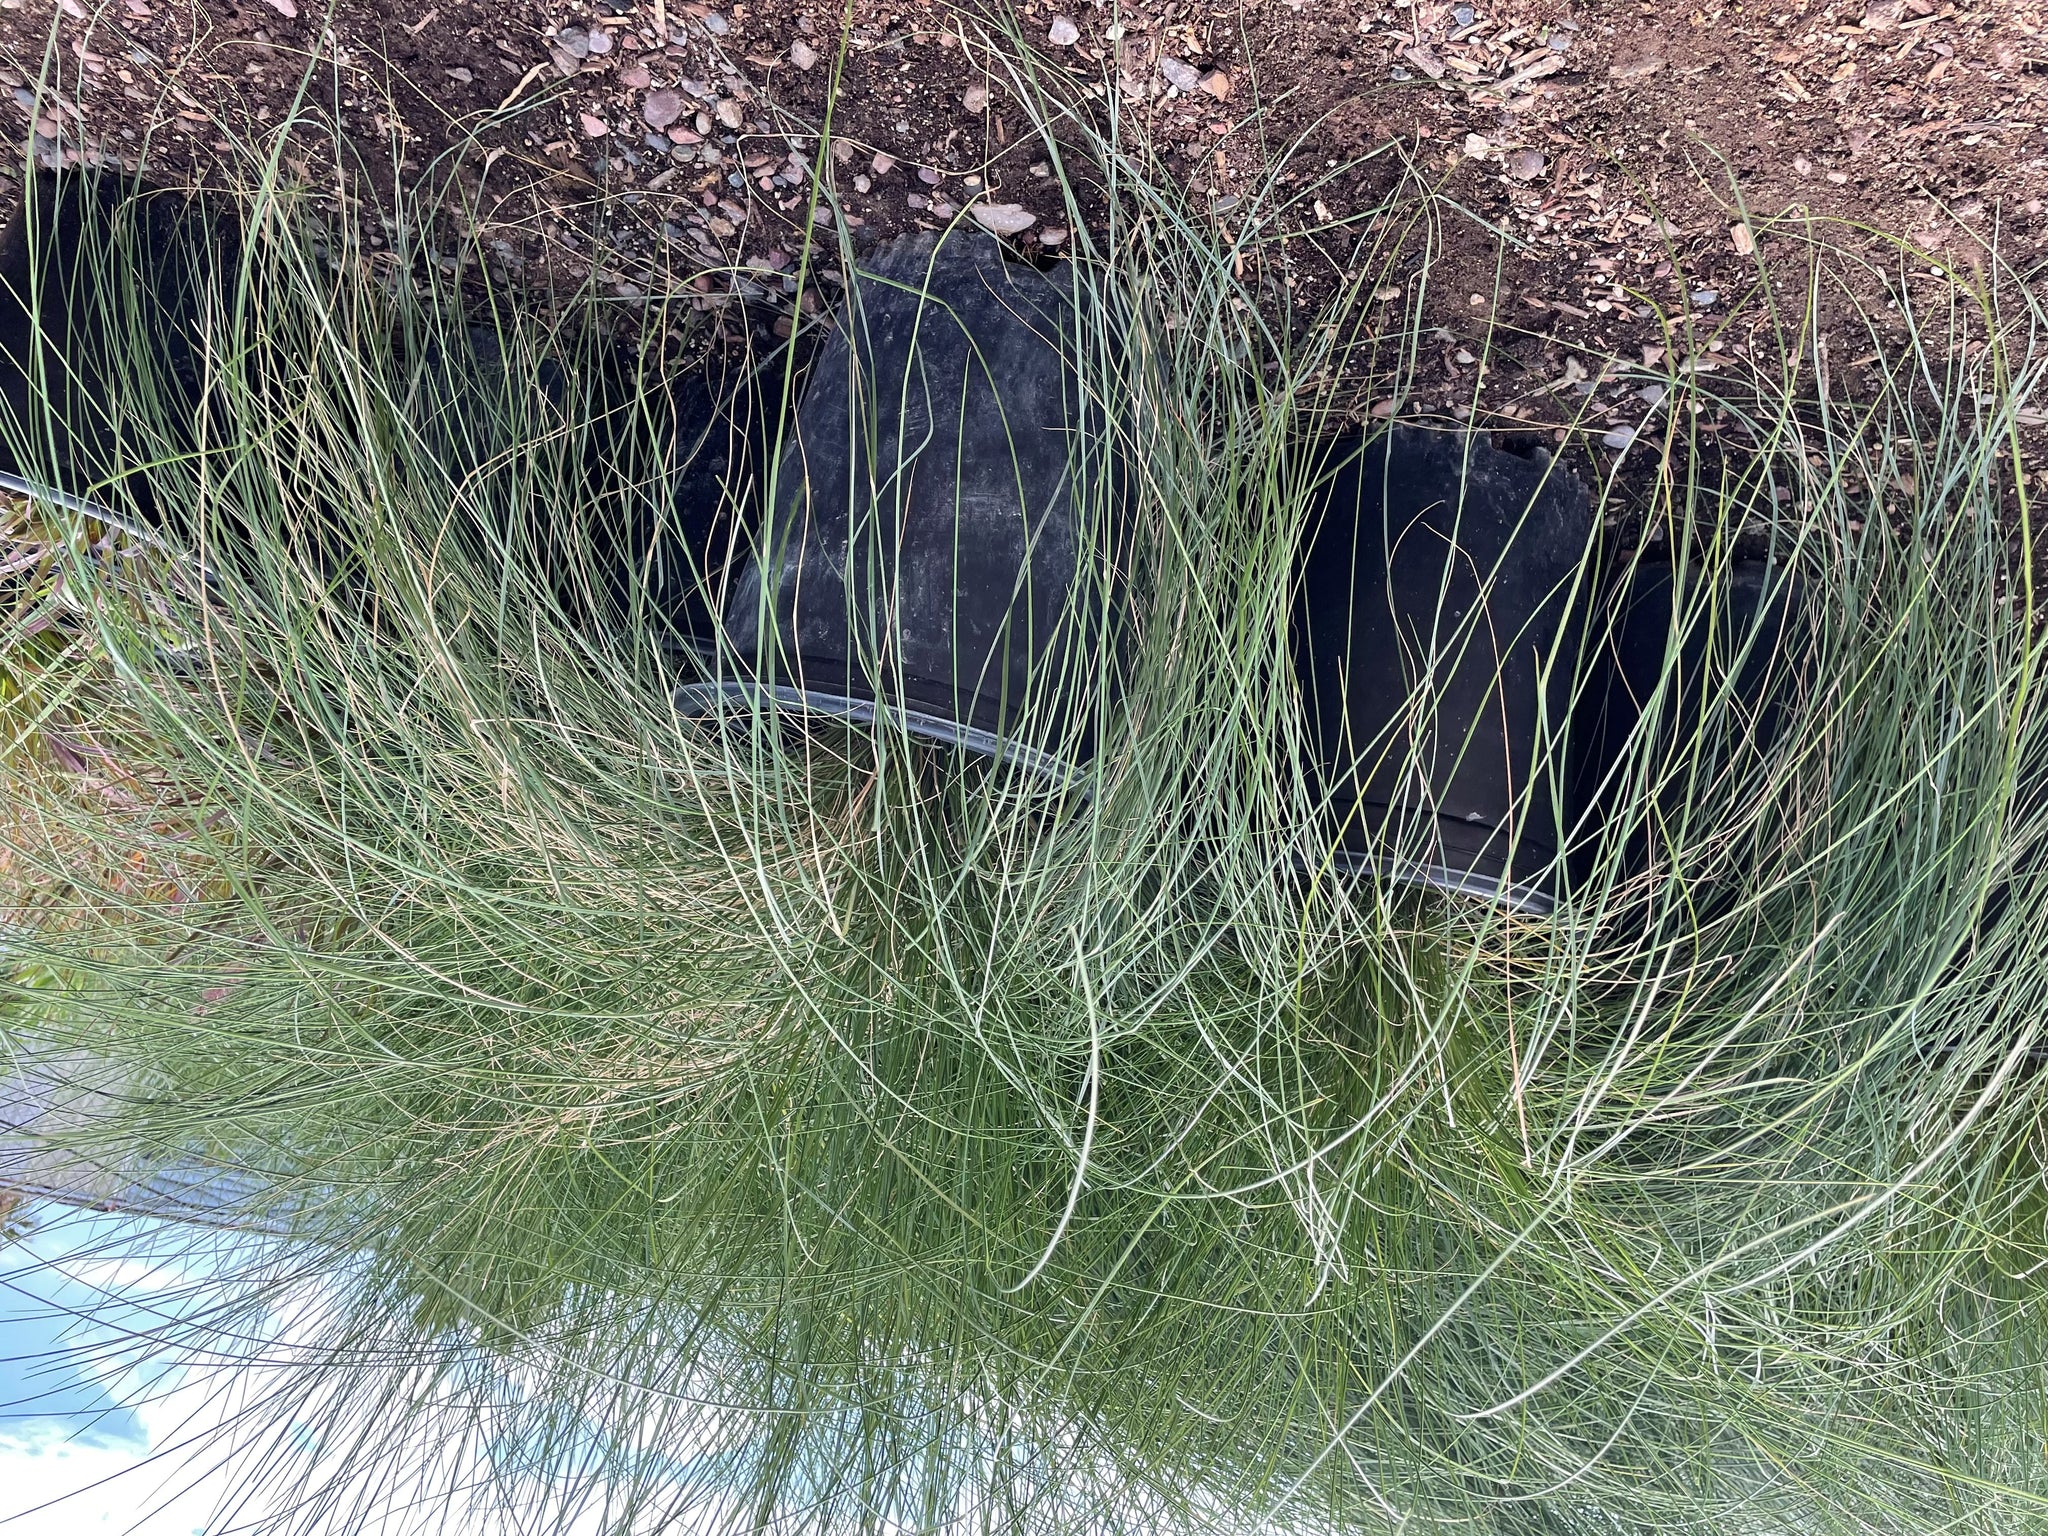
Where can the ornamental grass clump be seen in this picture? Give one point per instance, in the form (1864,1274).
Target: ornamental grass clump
(767,1122)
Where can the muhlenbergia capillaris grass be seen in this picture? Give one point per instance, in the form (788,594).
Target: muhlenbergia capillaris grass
(752,1121)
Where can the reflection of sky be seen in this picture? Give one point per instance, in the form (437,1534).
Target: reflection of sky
(50,1393)
(79,1384)
(93,1420)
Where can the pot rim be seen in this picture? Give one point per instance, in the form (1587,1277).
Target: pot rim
(700,700)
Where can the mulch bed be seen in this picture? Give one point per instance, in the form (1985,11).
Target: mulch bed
(1624,168)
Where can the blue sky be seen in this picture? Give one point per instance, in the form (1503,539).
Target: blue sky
(78,1405)
(92,1417)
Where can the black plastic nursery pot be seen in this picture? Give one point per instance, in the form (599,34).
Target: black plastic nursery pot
(1733,661)
(118,277)
(671,467)
(1435,639)
(931,551)
(712,432)
(114,274)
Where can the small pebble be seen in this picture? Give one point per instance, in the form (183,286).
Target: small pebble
(928,176)
(634,77)
(600,42)
(975,98)
(594,125)
(1619,438)
(1182,76)
(1052,236)
(1476,146)
(862,184)
(716,24)
(1382,409)
(1744,240)
(661,108)
(1217,84)
(802,54)
(729,113)
(882,165)
(1525,164)
(1003,218)
(1652,394)
(1063,33)
(1463,16)
(461,75)
(1705,296)
(573,42)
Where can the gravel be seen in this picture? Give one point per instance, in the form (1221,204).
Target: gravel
(661,108)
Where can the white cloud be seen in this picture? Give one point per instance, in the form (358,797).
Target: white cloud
(109,1280)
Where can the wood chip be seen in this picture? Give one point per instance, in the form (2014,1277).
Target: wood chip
(290,8)
(1426,61)
(1549,64)
(524,81)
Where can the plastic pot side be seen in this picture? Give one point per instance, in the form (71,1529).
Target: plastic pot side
(928,557)
(670,469)
(1732,661)
(65,428)
(1435,645)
